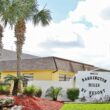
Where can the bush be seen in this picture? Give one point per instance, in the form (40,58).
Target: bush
(38,92)
(4,90)
(53,92)
(32,91)
(72,93)
(29,90)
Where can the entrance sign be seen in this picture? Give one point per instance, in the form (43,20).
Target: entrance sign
(93,83)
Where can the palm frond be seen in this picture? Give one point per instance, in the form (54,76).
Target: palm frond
(53,92)
(9,78)
(42,16)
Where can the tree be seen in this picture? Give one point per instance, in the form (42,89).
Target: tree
(53,92)
(2,4)
(16,13)
(16,82)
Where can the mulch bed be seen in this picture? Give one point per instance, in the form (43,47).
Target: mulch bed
(34,103)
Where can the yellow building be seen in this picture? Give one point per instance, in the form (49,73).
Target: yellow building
(41,68)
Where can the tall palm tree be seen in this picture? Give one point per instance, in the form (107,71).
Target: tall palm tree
(16,13)
(42,16)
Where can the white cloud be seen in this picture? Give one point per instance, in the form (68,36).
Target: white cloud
(96,39)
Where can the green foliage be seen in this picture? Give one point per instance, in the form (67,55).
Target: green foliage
(72,93)
(4,89)
(32,91)
(38,92)
(13,78)
(13,11)
(53,92)
(17,82)
(42,16)
(29,90)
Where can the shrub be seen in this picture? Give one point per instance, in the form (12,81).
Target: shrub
(53,92)
(4,89)
(29,90)
(17,83)
(38,92)
(32,91)
(72,93)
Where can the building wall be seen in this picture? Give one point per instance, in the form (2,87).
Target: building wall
(55,75)
(40,74)
(67,73)
(44,85)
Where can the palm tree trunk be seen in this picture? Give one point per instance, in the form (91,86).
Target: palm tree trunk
(20,38)
(19,34)
(18,52)
(54,98)
(15,87)
(1,36)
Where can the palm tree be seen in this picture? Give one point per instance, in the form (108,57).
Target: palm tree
(16,82)
(16,13)
(53,92)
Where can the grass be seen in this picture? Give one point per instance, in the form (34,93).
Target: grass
(86,107)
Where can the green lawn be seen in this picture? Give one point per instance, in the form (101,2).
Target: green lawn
(86,107)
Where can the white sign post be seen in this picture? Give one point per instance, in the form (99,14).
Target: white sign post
(93,84)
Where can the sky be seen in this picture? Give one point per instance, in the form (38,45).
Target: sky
(79,31)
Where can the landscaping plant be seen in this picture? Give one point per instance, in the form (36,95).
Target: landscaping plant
(17,80)
(32,91)
(29,90)
(53,92)
(38,92)
(72,93)
(4,90)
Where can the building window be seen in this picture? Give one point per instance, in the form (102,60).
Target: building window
(29,76)
(63,77)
